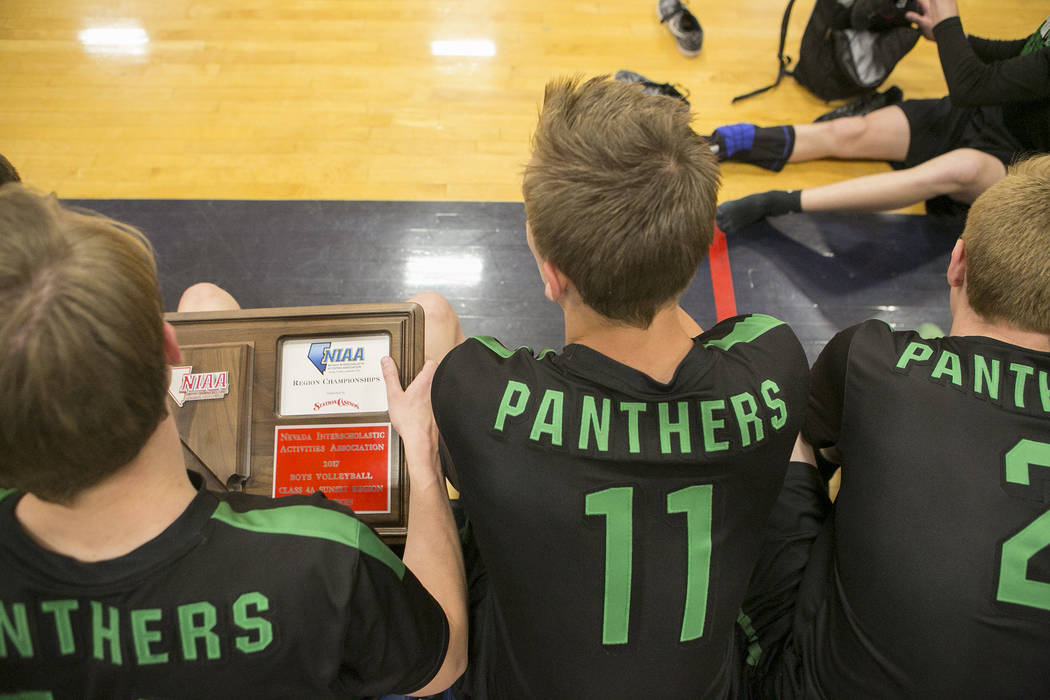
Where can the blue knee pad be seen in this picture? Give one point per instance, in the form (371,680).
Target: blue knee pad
(737,137)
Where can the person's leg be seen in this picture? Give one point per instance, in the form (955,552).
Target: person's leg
(443,331)
(961,174)
(880,135)
(205,296)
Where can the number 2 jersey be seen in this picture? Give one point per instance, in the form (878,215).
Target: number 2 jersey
(932,579)
(617,518)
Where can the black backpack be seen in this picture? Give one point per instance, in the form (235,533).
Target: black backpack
(848,48)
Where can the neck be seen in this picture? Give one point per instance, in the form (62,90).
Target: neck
(123,512)
(967,322)
(655,351)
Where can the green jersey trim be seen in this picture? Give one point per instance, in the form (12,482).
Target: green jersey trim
(1040,39)
(311,521)
(754,649)
(500,349)
(4,493)
(746,331)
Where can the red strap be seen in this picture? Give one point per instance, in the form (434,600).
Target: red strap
(721,277)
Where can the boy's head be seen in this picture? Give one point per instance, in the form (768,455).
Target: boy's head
(620,195)
(1007,244)
(83,372)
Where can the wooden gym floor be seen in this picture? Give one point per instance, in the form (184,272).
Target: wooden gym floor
(407,162)
(346,99)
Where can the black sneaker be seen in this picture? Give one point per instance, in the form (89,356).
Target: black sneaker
(650,87)
(684,27)
(863,105)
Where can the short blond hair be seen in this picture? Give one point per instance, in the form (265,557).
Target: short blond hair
(620,195)
(83,373)
(1007,239)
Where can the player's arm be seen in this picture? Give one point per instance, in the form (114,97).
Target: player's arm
(432,550)
(827,398)
(973,79)
(826,461)
(827,389)
(931,14)
(989,50)
(803,452)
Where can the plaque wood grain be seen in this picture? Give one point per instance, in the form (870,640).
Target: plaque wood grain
(216,432)
(264,330)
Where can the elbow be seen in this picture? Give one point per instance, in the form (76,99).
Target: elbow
(455,662)
(456,656)
(457,665)
(452,666)
(973,90)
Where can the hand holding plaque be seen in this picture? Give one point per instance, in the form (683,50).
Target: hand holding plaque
(413,418)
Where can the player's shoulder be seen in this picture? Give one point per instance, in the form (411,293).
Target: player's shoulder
(871,330)
(489,347)
(312,518)
(748,329)
(476,354)
(758,337)
(874,340)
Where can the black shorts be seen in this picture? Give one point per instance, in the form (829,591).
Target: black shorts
(938,127)
(769,610)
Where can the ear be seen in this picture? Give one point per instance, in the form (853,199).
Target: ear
(957,265)
(555,283)
(172,353)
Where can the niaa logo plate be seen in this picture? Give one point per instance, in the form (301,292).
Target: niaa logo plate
(187,386)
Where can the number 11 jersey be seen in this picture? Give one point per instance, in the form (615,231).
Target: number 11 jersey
(616,519)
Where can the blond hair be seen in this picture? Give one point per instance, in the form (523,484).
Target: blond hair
(1007,240)
(83,374)
(620,195)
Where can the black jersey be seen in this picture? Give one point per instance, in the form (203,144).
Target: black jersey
(937,583)
(241,597)
(617,517)
(1014,75)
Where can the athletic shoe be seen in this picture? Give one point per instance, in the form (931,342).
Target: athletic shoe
(863,105)
(651,87)
(687,32)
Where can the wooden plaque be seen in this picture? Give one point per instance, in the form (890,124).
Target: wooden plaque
(216,429)
(302,389)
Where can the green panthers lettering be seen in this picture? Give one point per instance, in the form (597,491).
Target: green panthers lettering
(138,635)
(1020,387)
(588,423)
